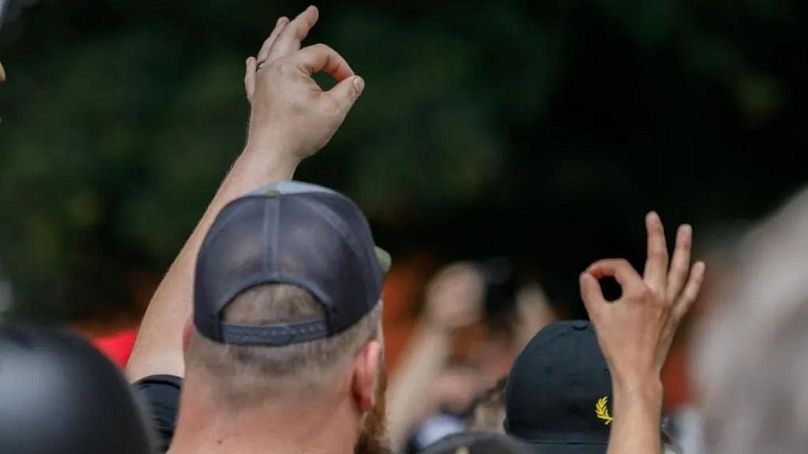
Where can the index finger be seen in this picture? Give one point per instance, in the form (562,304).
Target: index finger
(620,269)
(321,58)
(591,295)
(294,33)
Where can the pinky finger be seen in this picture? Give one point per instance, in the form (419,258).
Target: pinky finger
(692,289)
(249,77)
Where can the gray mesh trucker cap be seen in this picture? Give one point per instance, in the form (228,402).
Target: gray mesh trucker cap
(290,233)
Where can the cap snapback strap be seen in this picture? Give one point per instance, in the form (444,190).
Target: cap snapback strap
(277,335)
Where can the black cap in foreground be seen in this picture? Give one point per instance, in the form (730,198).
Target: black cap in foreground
(58,394)
(559,391)
(288,233)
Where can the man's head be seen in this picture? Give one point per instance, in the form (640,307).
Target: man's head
(287,304)
(558,396)
(59,394)
(244,375)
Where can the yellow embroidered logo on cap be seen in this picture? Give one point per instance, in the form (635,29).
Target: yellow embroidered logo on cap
(602,410)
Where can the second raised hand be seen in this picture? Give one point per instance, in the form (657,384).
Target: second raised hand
(636,331)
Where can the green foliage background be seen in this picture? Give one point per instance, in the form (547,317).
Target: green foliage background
(537,130)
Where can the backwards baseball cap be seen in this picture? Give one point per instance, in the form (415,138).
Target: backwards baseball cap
(558,396)
(288,233)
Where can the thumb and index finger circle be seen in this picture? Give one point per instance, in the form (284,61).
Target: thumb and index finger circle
(321,58)
(591,292)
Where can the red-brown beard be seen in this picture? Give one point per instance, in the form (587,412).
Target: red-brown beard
(373,437)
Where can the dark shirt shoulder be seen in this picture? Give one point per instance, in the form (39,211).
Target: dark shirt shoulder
(161,394)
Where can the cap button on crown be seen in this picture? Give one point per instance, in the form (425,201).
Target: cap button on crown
(579,325)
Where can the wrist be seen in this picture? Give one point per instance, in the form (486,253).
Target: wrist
(632,389)
(266,164)
(272,151)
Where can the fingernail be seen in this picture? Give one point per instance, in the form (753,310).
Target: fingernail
(686,229)
(359,84)
(282,20)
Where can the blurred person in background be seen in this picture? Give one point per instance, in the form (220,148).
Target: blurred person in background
(60,395)
(480,307)
(477,443)
(293,365)
(488,412)
(752,351)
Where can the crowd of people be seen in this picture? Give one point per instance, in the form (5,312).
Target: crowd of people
(265,335)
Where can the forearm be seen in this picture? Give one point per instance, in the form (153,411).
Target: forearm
(425,356)
(158,349)
(637,417)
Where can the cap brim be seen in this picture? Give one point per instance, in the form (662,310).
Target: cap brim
(384,259)
(567,448)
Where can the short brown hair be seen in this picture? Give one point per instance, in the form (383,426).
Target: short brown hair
(243,374)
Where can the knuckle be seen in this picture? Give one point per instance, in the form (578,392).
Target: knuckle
(284,66)
(645,293)
(331,106)
(320,47)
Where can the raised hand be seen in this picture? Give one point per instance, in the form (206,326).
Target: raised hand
(636,331)
(454,297)
(290,111)
(291,118)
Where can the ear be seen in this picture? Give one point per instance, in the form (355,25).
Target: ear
(365,374)
(187,330)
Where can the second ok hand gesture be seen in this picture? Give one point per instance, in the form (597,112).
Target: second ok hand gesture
(289,110)
(636,331)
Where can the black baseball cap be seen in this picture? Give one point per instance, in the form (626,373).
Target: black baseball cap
(559,392)
(58,394)
(288,233)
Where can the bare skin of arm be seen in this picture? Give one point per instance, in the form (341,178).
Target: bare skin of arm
(453,300)
(636,331)
(291,118)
